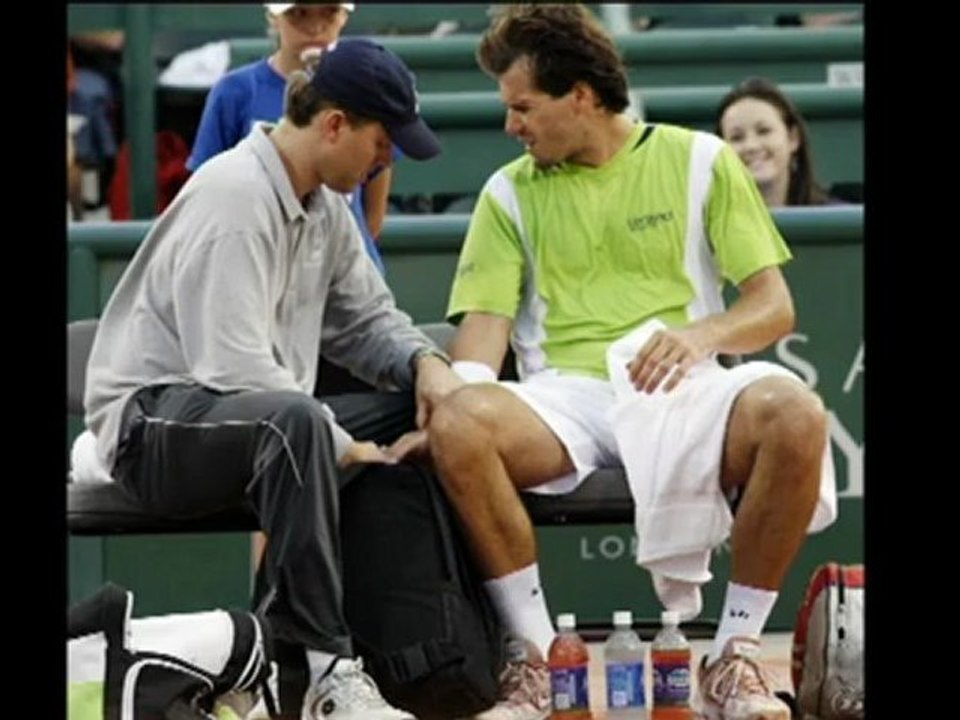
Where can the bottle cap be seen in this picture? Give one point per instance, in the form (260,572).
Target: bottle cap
(622,618)
(566,621)
(670,617)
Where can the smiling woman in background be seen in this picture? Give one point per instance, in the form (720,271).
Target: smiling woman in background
(770,136)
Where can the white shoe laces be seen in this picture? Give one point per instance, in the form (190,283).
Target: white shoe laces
(737,676)
(357,685)
(520,682)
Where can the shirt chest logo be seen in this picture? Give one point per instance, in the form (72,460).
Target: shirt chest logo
(651,221)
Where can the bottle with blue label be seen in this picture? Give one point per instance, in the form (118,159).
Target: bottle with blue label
(568,661)
(670,660)
(623,658)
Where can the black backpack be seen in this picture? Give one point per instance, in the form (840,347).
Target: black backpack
(413,597)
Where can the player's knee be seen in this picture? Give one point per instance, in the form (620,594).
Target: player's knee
(462,417)
(460,436)
(793,420)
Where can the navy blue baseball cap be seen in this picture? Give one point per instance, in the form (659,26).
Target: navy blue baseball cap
(368,79)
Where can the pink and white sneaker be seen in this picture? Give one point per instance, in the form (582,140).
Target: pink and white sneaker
(735,687)
(524,686)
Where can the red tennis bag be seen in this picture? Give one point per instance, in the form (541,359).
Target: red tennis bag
(827,664)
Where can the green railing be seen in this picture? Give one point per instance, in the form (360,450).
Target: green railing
(414,247)
(470,128)
(228,19)
(732,14)
(664,57)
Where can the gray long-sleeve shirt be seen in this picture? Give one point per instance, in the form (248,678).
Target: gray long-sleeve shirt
(238,286)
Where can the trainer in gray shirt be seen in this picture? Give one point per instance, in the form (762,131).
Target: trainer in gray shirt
(246,299)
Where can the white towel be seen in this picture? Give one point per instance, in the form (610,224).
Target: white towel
(85,465)
(671,446)
(198,67)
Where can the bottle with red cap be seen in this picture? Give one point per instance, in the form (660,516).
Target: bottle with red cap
(568,661)
(670,659)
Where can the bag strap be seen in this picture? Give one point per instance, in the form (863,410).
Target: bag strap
(415,661)
(251,667)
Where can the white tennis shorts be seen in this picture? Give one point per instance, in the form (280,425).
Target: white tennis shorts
(578,410)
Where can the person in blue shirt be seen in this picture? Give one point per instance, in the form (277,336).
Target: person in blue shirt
(254,93)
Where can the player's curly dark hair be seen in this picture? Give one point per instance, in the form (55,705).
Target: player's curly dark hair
(565,44)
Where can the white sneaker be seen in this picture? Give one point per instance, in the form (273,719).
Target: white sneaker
(345,692)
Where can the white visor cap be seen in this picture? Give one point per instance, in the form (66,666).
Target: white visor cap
(281,8)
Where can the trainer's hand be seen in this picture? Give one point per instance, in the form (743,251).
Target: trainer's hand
(365,452)
(667,355)
(435,380)
(413,445)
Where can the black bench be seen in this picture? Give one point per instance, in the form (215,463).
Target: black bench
(106,509)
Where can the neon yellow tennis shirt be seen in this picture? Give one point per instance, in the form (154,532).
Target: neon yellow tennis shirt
(579,256)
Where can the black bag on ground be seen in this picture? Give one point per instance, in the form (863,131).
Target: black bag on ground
(161,667)
(413,598)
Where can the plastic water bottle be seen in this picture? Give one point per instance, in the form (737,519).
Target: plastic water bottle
(623,658)
(568,661)
(670,658)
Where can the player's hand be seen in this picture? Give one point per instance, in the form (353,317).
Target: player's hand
(665,359)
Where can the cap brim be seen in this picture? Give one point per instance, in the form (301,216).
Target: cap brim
(415,139)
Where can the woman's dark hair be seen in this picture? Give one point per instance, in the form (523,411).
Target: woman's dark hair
(565,44)
(803,188)
(302,101)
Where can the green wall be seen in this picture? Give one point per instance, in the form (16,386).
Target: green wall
(586,569)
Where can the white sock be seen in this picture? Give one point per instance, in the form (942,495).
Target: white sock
(519,600)
(745,612)
(319,663)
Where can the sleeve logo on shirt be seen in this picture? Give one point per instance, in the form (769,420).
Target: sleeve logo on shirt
(649,222)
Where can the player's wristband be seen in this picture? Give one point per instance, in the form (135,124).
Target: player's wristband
(473,372)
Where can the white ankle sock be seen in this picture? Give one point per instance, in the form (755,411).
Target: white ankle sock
(519,600)
(319,663)
(745,612)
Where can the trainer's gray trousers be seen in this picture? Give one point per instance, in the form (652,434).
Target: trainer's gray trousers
(188,450)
